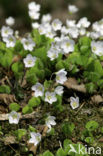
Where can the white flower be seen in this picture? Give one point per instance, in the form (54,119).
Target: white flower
(73,32)
(34,15)
(61,76)
(70,23)
(97,47)
(35,138)
(50,120)
(39,89)
(29,61)
(53,52)
(35,25)
(46,18)
(94,35)
(50,97)
(5,31)
(83,22)
(72,8)
(34,6)
(28,44)
(10,41)
(10,21)
(14,117)
(82,31)
(56,24)
(67,45)
(64,30)
(59,90)
(74,102)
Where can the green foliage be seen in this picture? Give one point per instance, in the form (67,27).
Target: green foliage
(58,104)
(14,107)
(34,102)
(92,125)
(32,129)
(60,152)
(18,68)
(27,109)
(20,133)
(68,128)
(6,58)
(35,73)
(47,153)
(5,89)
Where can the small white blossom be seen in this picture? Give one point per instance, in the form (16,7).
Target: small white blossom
(82,31)
(35,25)
(97,47)
(83,22)
(28,44)
(50,97)
(59,90)
(72,9)
(5,31)
(61,76)
(10,41)
(74,102)
(70,23)
(67,45)
(10,21)
(34,6)
(14,117)
(29,61)
(50,121)
(53,52)
(73,32)
(46,18)
(56,24)
(35,138)
(94,35)
(39,89)
(34,15)
(64,30)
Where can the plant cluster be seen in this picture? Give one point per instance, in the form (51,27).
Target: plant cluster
(35,68)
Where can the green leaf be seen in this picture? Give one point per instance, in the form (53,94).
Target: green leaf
(20,133)
(27,109)
(34,102)
(32,129)
(92,125)
(60,65)
(5,89)
(60,152)
(58,104)
(6,59)
(18,68)
(89,140)
(48,153)
(47,84)
(68,128)
(90,87)
(14,107)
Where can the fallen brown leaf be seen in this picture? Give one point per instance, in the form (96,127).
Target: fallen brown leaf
(7,98)
(72,83)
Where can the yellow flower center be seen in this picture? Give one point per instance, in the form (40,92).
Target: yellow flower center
(29,62)
(74,104)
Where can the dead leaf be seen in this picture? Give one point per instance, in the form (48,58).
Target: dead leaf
(96,99)
(7,98)
(45,131)
(9,140)
(72,83)
(32,148)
